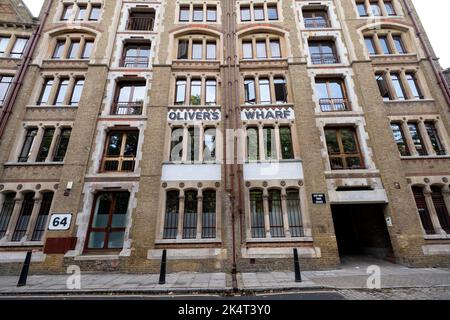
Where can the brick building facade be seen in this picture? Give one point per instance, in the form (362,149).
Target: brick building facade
(227,133)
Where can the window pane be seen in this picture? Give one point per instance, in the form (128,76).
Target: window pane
(399,44)
(287,151)
(87,50)
(62,91)
(45,144)
(171,217)
(196,92)
(211,14)
(211,51)
(270,143)
(390,8)
(294,214)
(24,217)
(5,84)
(190,215)
(95,13)
(280,90)
(180,94)
(257,214)
(261,51)
(370,45)
(376,10)
(3,44)
(264,91)
(73,51)
(6,213)
(383,87)
(398,87)
(400,139)
(183,49)
(209,150)
(131,144)
(253,144)
(114,144)
(57,54)
(441,208)
(76,93)
(348,141)
(209,214)
(417,139)
(272,12)
(422,207)
(19,47)
(275,48)
(197,50)
(435,139)
(27,144)
(247,49)
(362,10)
(119,213)
(245,13)
(193,146)
(250,94)
(103,207)
(275,214)
(67,12)
(385,45)
(81,13)
(332,141)
(176,145)
(412,82)
(184,13)
(96,240)
(198,13)
(259,13)
(63,143)
(211,92)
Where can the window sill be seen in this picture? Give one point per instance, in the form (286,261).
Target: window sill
(22,244)
(272,240)
(393,55)
(409,101)
(273,161)
(349,171)
(187,241)
(51,106)
(33,164)
(191,163)
(425,157)
(437,237)
(189,106)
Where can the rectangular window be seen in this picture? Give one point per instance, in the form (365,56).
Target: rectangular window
(73,50)
(180,92)
(414,86)
(441,208)
(3,44)
(184,13)
(76,93)
(247,50)
(67,12)
(198,13)
(370,45)
(19,48)
(27,144)
(190,214)
(197,50)
(257,214)
(385,45)
(172,214)
(280,90)
(183,49)
(258,12)
(87,50)
(343,148)
(362,10)
(95,13)
(121,150)
(275,49)
(422,207)
(5,84)
(24,217)
(196,93)
(252,144)
(209,214)
(436,141)
(59,49)
(398,86)
(390,8)
(250,93)
(261,50)
(6,213)
(383,87)
(270,146)
(272,12)
(209,145)
(332,95)
(193,145)
(264,91)
(399,44)
(129,98)
(211,92)
(62,92)
(275,214)
(211,14)
(375,8)
(45,93)
(41,222)
(287,150)
(400,140)
(62,144)
(211,51)
(46,142)
(108,221)
(81,15)
(417,139)
(245,13)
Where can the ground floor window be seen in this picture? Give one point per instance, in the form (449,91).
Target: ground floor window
(108,221)
(6,212)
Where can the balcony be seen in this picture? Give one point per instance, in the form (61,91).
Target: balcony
(316,23)
(141,23)
(127,108)
(134,62)
(118,164)
(334,104)
(324,58)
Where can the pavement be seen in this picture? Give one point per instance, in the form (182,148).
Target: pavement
(349,281)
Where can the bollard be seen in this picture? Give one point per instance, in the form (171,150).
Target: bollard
(162,274)
(298,276)
(24,273)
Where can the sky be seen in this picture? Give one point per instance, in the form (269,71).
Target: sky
(433,13)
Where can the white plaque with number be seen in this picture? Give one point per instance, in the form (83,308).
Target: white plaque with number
(60,222)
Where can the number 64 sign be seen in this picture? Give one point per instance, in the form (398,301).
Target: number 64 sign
(60,222)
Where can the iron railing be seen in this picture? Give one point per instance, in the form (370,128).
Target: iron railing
(316,23)
(141,23)
(127,108)
(134,62)
(324,58)
(334,104)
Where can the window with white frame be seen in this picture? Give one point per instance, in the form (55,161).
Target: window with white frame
(197,12)
(193,144)
(265,90)
(261,46)
(5,84)
(277,142)
(61,91)
(196,91)
(256,12)
(376,8)
(399,85)
(81,11)
(73,48)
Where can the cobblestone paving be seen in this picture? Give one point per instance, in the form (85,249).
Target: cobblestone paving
(442,293)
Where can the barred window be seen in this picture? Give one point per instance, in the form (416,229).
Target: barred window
(6,212)
(24,217)
(41,222)
(257,214)
(171,216)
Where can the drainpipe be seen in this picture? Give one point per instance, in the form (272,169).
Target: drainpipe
(440,77)
(20,75)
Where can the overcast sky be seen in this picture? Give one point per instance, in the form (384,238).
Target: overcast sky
(434,15)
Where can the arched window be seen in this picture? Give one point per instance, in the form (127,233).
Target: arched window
(6,212)
(190,214)
(24,217)
(422,207)
(41,222)
(172,212)
(294,214)
(209,214)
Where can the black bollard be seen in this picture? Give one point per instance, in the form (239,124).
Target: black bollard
(24,273)
(162,274)
(298,276)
